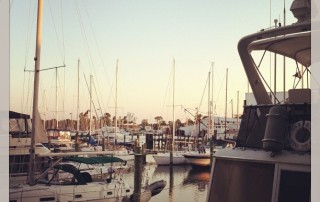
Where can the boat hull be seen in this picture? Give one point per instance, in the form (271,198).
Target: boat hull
(164,159)
(89,192)
(156,187)
(198,160)
(100,193)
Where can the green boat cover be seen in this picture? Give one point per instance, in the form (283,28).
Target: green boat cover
(95,159)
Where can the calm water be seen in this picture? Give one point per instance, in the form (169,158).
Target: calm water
(186,183)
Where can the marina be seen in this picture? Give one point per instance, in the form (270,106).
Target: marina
(262,153)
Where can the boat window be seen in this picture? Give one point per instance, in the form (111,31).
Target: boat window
(78,196)
(47,199)
(294,184)
(240,181)
(18,128)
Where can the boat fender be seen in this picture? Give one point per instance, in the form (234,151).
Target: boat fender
(276,129)
(300,136)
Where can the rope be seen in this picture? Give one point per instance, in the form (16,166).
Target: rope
(28,34)
(100,55)
(55,30)
(63,46)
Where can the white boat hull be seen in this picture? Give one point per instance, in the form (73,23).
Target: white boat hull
(95,192)
(164,159)
(88,192)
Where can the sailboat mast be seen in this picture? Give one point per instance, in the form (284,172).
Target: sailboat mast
(57,124)
(225,115)
(173,124)
(90,124)
(116,104)
(212,115)
(44,109)
(209,109)
(35,93)
(173,114)
(78,121)
(78,118)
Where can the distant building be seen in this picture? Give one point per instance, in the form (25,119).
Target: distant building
(250,100)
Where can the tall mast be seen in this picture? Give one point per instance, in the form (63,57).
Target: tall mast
(237,110)
(116,103)
(57,124)
(44,109)
(173,114)
(209,108)
(35,95)
(173,123)
(225,114)
(78,118)
(78,121)
(212,115)
(90,124)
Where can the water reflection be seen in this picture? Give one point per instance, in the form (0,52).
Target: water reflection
(184,184)
(198,177)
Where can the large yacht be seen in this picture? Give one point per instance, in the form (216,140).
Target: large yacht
(272,157)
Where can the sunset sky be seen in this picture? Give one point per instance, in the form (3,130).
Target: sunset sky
(144,36)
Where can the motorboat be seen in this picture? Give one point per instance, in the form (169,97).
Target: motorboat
(163,159)
(202,157)
(272,157)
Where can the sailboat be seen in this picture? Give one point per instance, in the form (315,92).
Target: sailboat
(79,187)
(174,157)
(19,147)
(216,132)
(202,157)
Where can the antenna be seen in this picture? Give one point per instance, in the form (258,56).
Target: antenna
(284,57)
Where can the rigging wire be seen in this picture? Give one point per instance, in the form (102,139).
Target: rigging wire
(94,107)
(99,52)
(88,50)
(55,30)
(28,39)
(10,6)
(204,90)
(166,93)
(62,30)
(99,105)
(85,38)
(25,110)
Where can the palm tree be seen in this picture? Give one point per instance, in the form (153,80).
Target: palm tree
(190,122)
(106,119)
(144,123)
(178,123)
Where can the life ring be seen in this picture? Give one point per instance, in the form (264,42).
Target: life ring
(295,141)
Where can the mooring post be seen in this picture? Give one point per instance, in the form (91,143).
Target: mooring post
(144,155)
(211,151)
(77,146)
(137,174)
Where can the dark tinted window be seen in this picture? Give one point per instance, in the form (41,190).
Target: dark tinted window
(237,181)
(294,186)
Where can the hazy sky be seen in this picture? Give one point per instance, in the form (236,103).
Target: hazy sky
(144,36)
